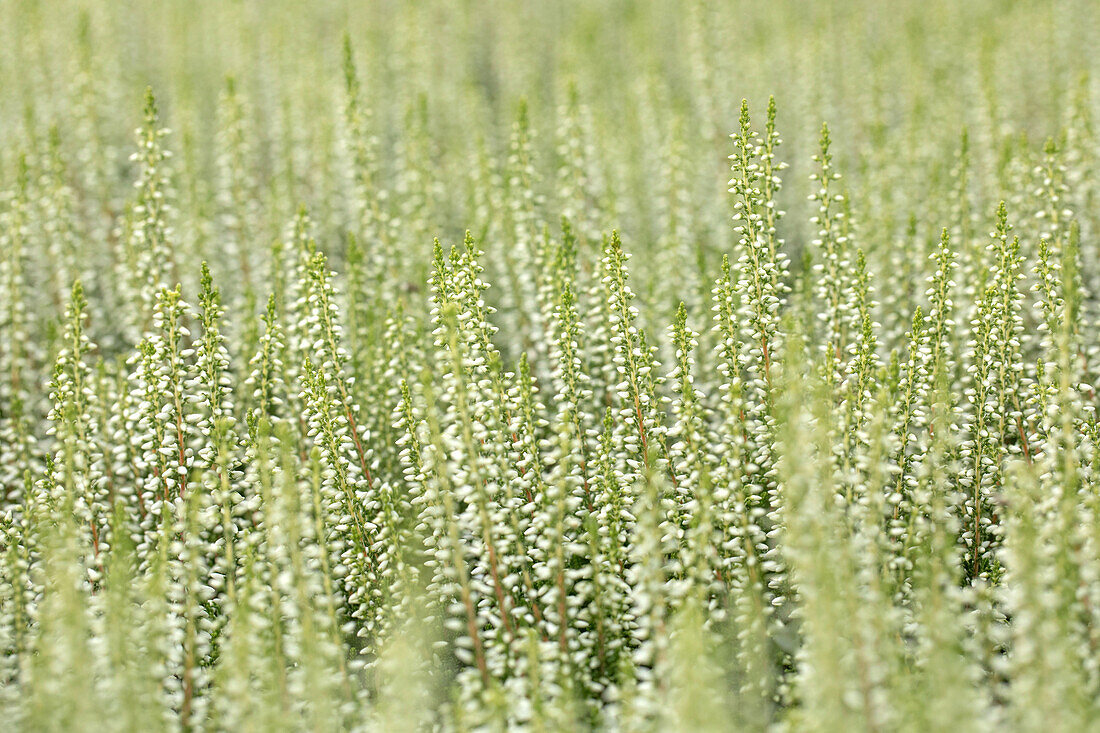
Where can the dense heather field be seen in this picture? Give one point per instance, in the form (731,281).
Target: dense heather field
(493,365)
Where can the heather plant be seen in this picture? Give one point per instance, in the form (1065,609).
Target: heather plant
(549,366)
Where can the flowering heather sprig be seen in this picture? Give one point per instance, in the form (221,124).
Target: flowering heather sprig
(761,267)
(997,423)
(691,460)
(369,217)
(758,291)
(17,444)
(237,191)
(164,453)
(834,265)
(77,458)
(150,254)
(59,220)
(578,180)
(642,428)
(346,492)
(1052,189)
